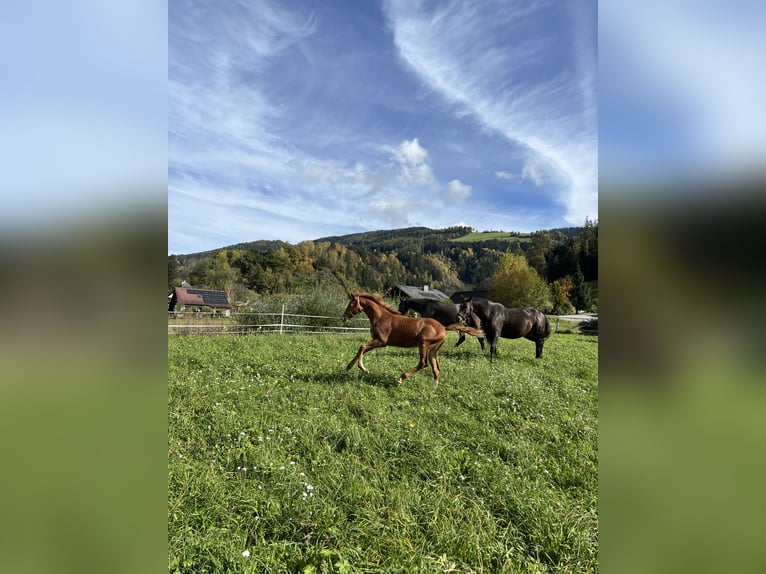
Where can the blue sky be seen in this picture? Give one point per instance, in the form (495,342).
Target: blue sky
(297,120)
(684,102)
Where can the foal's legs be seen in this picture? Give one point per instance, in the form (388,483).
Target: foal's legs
(374,344)
(434,361)
(424,346)
(428,350)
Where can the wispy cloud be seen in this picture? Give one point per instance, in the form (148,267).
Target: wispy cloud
(229,162)
(509,85)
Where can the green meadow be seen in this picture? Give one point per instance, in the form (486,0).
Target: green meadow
(280,462)
(489,235)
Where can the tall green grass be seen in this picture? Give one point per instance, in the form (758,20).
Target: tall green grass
(277,462)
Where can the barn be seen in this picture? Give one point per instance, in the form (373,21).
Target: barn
(410,292)
(459,296)
(191,297)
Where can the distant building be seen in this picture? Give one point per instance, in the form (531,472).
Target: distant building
(410,292)
(190,297)
(459,296)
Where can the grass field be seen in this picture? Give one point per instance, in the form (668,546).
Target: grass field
(277,462)
(487,235)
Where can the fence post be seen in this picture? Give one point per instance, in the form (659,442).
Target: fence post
(557,324)
(282,319)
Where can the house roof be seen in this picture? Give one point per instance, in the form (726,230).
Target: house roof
(458,296)
(206,297)
(413,292)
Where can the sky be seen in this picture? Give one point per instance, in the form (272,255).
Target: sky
(304,119)
(681,90)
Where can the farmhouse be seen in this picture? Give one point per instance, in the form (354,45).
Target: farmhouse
(409,292)
(459,296)
(190,297)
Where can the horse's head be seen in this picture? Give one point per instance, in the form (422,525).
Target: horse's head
(465,310)
(353,308)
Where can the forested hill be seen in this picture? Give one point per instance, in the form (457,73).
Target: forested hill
(389,239)
(449,259)
(392,238)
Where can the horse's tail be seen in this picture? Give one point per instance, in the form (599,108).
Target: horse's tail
(543,325)
(465,329)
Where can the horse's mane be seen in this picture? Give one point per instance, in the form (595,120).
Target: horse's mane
(482,300)
(377,299)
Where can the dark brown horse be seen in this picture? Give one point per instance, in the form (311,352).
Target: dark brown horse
(443,311)
(389,327)
(499,321)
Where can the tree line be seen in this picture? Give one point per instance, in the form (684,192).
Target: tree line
(555,270)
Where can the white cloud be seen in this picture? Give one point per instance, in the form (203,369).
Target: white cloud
(413,152)
(529,172)
(457,191)
(397,210)
(412,162)
(532,172)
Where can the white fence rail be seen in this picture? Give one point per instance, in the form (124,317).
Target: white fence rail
(217,323)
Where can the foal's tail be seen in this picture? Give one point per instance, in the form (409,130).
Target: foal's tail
(465,329)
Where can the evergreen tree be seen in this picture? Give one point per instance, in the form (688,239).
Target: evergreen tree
(538,249)
(174,270)
(581,295)
(586,246)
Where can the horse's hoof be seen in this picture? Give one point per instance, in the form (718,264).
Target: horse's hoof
(398,382)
